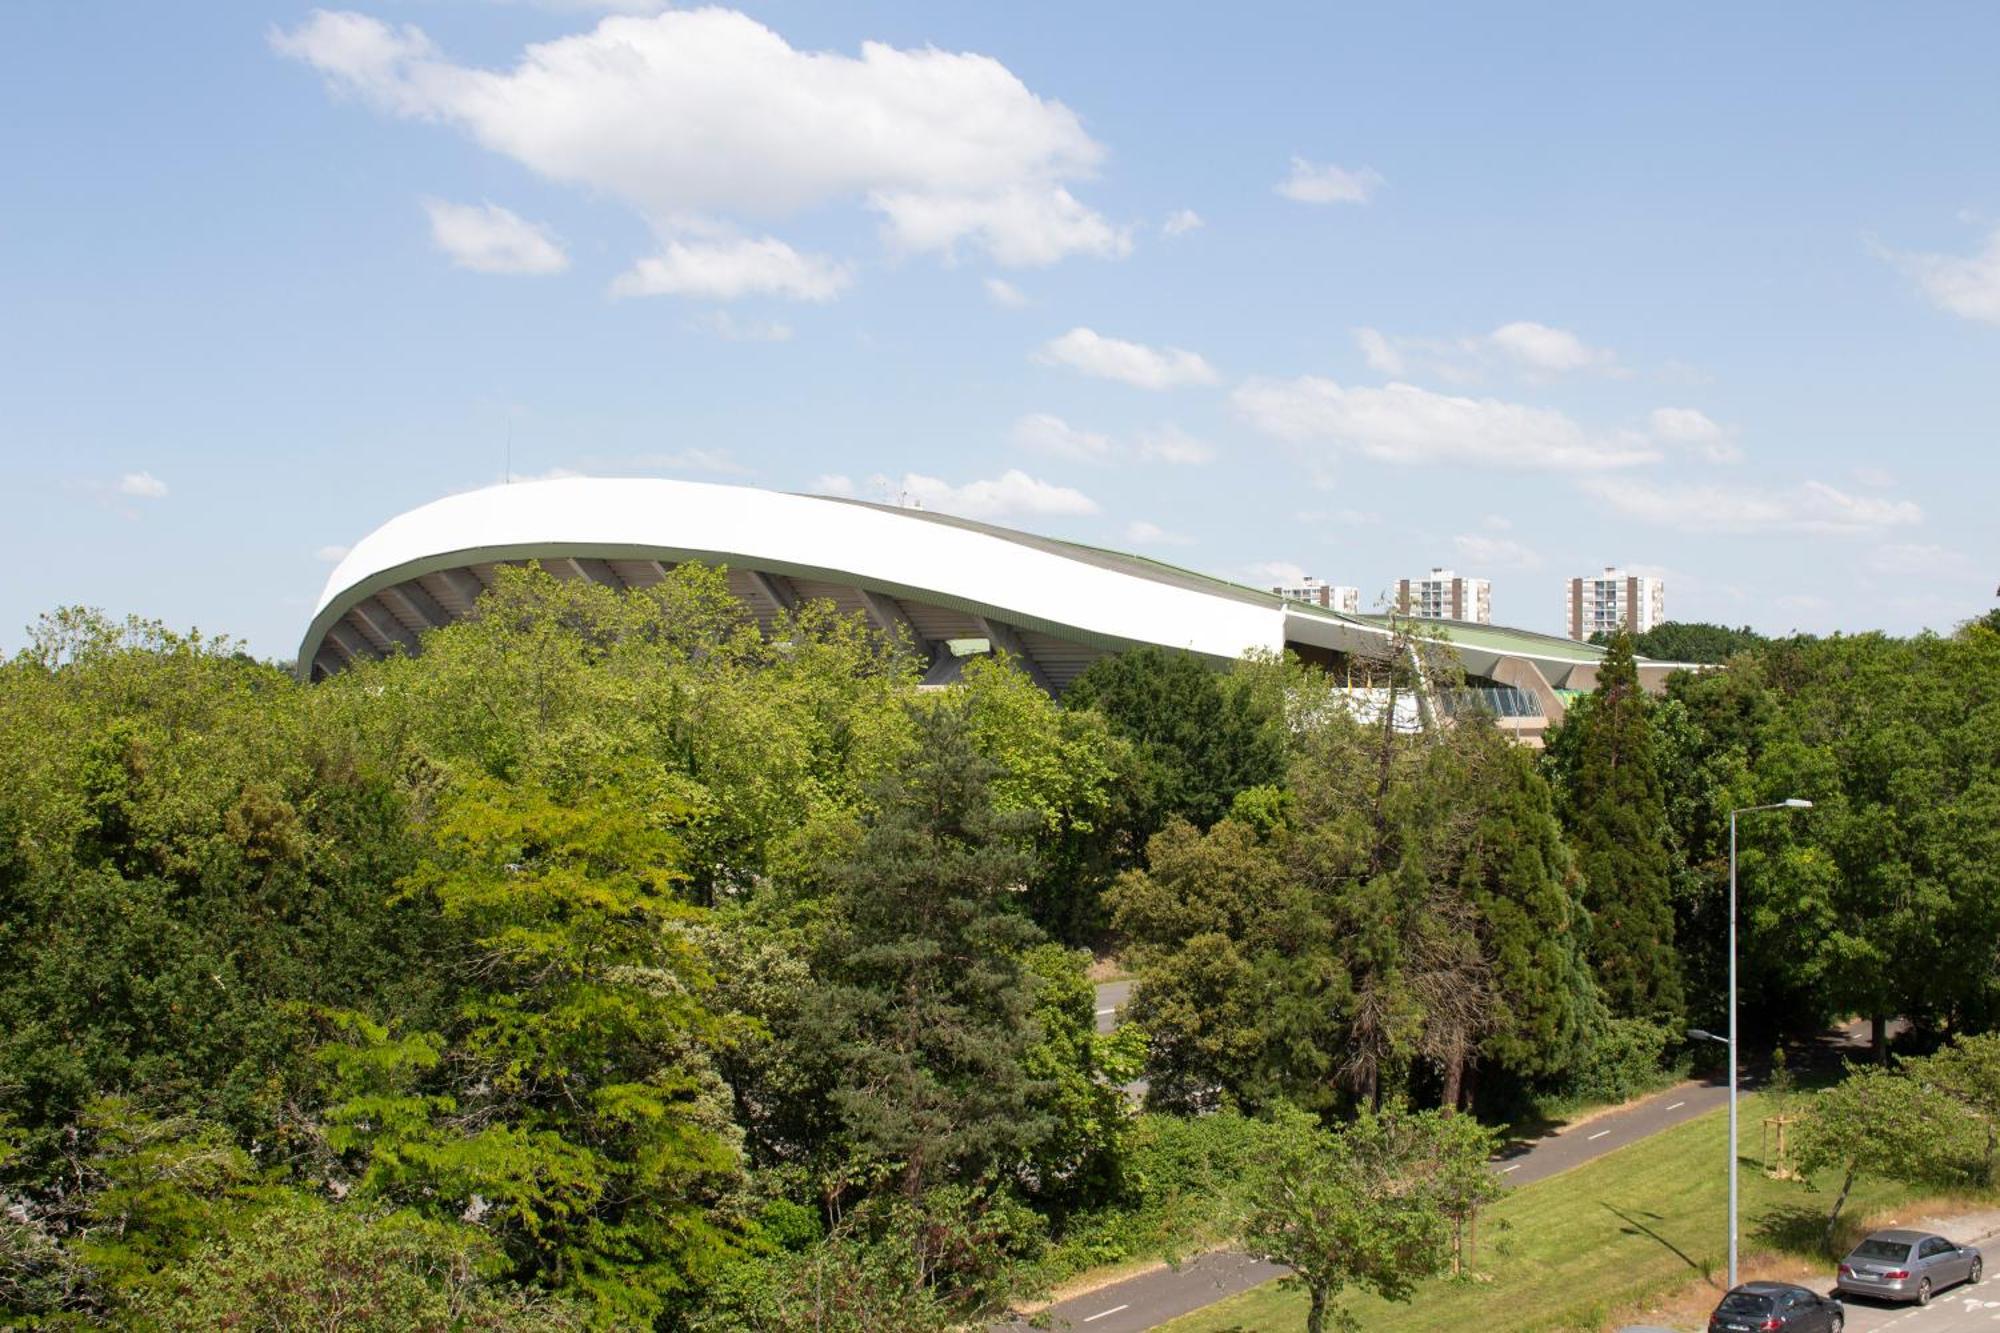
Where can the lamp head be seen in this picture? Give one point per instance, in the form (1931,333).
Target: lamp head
(1794,803)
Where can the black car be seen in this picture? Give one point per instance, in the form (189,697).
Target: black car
(1767,1307)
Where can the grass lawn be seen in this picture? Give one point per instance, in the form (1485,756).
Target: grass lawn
(1566,1252)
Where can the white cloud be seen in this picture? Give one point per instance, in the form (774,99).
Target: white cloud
(1967,285)
(142,485)
(332,555)
(1480,549)
(1874,478)
(1551,351)
(1380,353)
(704,118)
(1324,183)
(834,483)
(1401,423)
(1170,444)
(1141,533)
(1693,430)
(1279,572)
(1004,293)
(1013,492)
(731,329)
(1537,352)
(1918,558)
(1132,363)
(489,239)
(1044,434)
(1182,222)
(1812,508)
(724,270)
(1024,227)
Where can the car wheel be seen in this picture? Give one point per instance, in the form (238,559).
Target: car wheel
(1836,1322)
(1924,1292)
(1978,1271)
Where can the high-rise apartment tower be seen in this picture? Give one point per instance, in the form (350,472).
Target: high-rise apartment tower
(1446,596)
(1332,596)
(1615,600)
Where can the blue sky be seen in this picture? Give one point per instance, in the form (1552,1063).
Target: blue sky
(1521,290)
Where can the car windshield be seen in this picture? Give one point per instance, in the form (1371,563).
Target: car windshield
(1744,1302)
(1882,1249)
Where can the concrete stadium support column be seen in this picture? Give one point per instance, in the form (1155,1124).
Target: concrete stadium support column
(419,604)
(1006,639)
(889,618)
(776,588)
(377,617)
(1522,674)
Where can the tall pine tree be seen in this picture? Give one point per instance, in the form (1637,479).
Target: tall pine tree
(931,1003)
(1616,815)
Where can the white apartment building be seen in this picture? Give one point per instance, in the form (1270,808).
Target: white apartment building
(1332,596)
(1443,595)
(1601,603)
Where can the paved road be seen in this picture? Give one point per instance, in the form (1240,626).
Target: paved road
(1960,1310)
(1152,1298)
(1538,1159)
(1111,997)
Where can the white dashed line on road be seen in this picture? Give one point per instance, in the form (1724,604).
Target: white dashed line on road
(1102,1012)
(1598,1135)
(1505,1169)
(1677,1106)
(1091,1319)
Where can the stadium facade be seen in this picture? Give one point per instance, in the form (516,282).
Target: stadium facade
(956,587)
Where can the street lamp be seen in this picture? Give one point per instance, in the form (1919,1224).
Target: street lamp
(1794,803)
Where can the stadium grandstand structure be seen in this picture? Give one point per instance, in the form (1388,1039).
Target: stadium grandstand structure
(957,588)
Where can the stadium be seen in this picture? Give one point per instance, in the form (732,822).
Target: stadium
(957,588)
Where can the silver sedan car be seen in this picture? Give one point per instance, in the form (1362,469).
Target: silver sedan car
(1907,1266)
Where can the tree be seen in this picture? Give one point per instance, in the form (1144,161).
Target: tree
(1877,1122)
(1200,736)
(1365,1206)
(569,1106)
(1691,641)
(1062,766)
(1967,1070)
(1616,818)
(1521,1000)
(928,1003)
(1241,993)
(309,1265)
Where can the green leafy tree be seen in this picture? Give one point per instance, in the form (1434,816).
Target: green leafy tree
(1365,1206)
(1616,818)
(1200,736)
(1967,1070)
(567,1107)
(1241,993)
(1876,1122)
(1691,641)
(307,1265)
(1063,767)
(929,1005)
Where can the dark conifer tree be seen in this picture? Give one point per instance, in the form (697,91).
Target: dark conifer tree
(1616,816)
(931,1005)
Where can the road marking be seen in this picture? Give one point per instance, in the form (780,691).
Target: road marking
(1091,1319)
(1598,1135)
(1102,1012)
(1505,1169)
(1677,1106)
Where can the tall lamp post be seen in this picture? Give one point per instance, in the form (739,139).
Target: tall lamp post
(1792,804)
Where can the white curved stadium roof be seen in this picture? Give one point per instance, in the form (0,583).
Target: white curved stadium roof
(1055,605)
